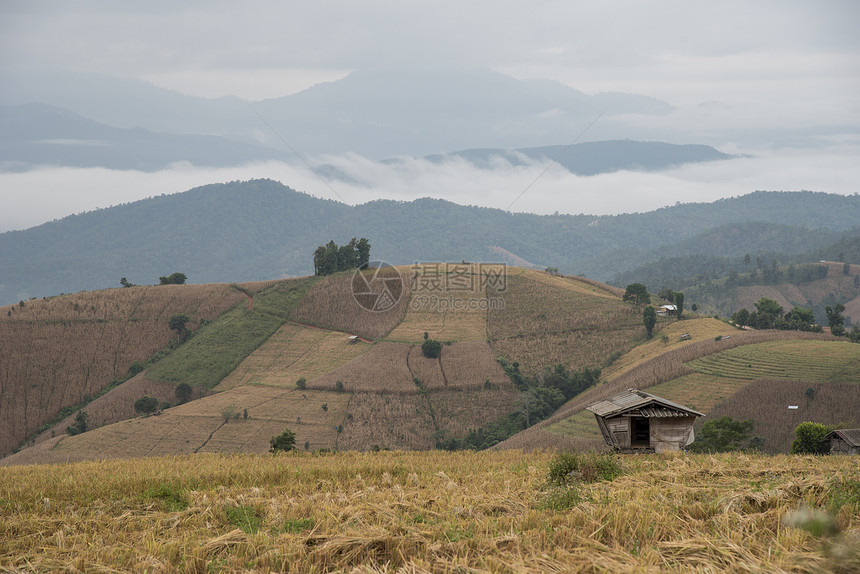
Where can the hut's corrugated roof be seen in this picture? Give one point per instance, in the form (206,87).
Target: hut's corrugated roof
(851,436)
(646,404)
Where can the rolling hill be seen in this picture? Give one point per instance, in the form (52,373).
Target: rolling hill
(259,230)
(247,362)
(271,355)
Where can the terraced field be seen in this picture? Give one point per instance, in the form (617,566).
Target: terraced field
(293,352)
(800,360)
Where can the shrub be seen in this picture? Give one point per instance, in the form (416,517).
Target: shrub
(184,392)
(809,439)
(80,424)
(302,383)
(286,441)
(567,468)
(173,279)
(723,435)
(146,405)
(431,348)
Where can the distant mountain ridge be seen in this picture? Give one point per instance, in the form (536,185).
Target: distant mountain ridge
(261,229)
(375,113)
(592,158)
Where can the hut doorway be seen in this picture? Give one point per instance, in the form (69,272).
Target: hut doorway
(640,432)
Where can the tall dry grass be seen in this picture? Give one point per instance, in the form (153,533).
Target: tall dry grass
(330,304)
(426,512)
(767,401)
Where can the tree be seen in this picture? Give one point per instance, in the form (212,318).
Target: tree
(124,282)
(302,383)
(146,405)
(331,257)
(80,424)
(766,314)
(637,294)
(649,317)
(723,435)
(184,392)
(286,441)
(809,439)
(431,348)
(679,304)
(835,319)
(173,279)
(740,317)
(666,294)
(179,323)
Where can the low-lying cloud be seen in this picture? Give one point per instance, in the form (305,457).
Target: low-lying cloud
(48,193)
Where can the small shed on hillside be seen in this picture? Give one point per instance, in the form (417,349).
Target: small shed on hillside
(667,310)
(635,421)
(844,441)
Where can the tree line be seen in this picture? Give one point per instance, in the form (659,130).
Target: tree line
(331,257)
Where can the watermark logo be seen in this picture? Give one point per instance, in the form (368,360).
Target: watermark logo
(458,286)
(377,287)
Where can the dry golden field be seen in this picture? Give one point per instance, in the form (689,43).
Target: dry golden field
(293,352)
(555,320)
(430,512)
(57,352)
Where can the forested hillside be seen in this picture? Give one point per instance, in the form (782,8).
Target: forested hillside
(260,229)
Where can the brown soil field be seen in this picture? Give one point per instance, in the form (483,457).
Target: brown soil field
(57,352)
(293,352)
(330,304)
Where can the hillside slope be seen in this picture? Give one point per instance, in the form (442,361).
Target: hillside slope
(335,394)
(749,375)
(60,352)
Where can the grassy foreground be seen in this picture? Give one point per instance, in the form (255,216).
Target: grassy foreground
(427,511)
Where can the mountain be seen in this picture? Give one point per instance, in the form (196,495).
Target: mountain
(592,158)
(260,229)
(376,113)
(36,134)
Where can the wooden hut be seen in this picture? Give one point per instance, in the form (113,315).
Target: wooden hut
(635,421)
(844,441)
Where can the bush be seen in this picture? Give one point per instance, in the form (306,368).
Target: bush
(809,439)
(184,392)
(302,383)
(286,441)
(146,405)
(80,424)
(567,468)
(723,435)
(431,348)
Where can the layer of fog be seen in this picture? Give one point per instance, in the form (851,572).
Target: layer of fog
(40,195)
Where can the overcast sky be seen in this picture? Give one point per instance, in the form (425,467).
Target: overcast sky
(779,64)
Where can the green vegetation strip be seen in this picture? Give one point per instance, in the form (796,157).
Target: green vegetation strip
(218,347)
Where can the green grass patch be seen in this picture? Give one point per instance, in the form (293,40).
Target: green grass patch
(243,517)
(218,347)
(297,525)
(170,499)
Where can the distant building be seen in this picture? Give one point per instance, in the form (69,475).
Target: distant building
(667,311)
(844,441)
(635,421)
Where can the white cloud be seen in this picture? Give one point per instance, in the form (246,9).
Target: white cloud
(36,196)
